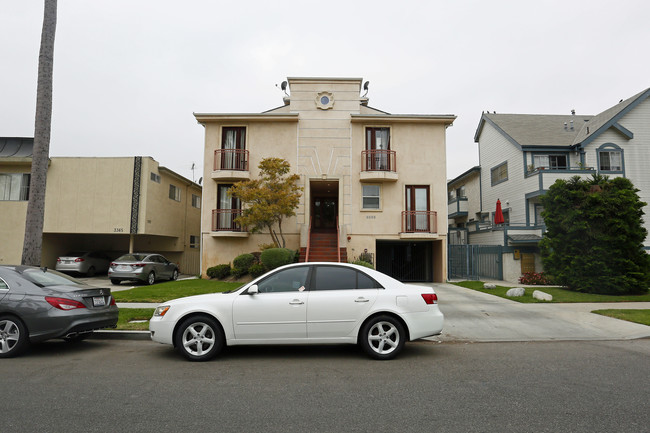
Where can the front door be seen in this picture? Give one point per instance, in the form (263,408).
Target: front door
(324,213)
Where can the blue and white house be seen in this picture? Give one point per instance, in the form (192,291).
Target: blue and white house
(521,155)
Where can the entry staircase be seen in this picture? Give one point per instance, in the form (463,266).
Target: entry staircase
(323,248)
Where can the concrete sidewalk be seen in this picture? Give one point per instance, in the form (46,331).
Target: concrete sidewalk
(473,316)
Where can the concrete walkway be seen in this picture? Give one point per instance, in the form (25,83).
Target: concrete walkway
(476,316)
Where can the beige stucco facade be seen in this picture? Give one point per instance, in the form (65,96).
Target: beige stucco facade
(108,204)
(324,142)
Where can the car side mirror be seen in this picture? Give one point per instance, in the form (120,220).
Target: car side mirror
(253,290)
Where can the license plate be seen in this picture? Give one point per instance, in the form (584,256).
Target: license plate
(123,268)
(99,301)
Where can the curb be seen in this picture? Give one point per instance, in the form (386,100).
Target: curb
(121,335)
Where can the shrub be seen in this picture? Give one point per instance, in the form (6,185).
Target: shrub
(363,263)
(534,278)
(257,255)
(274,257)
(365,257)
(243,262)
(256,270)
(238,272)
(219,271)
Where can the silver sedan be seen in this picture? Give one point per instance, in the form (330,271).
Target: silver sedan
(144,267)
(38,304)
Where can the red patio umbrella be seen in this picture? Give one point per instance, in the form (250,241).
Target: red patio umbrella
(498,216)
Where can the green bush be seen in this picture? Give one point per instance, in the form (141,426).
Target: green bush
(363,263)
(238,272)
(256,270)
(243,262)
(275,257)
(219,271)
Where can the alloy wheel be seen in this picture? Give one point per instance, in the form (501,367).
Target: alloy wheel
(383,338)
(198,339)
(9,335)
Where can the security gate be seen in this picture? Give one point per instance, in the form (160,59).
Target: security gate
(475,262)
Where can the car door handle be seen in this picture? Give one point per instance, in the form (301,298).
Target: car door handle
(361,300)
(296,302)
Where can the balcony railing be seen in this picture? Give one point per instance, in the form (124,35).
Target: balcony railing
(224,220)
(231,159)
(419,222)
(378,160)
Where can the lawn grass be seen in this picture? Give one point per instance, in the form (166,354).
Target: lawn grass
(128,314)
(163,292)
(636,316)
(559,294)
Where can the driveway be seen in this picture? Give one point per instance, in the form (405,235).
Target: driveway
(472,316)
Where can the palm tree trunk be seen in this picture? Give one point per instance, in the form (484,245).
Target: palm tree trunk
(33,244)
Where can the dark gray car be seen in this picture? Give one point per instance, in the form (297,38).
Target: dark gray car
(38,304)
(144,267)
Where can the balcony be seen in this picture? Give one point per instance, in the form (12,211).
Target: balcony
(419,225)
(457,207)
(224,225)
(231,165)
(378,166)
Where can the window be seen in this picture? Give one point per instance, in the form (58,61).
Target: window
(233,144)
(460,192)
(287,280)
(228,208)
(378,145)
(14,186)
(338,278)
(417,208)
(371,195)
(553,162)
(610,160)
(155,177)
(499,173)
(195,241)
(174,192)
(196,201)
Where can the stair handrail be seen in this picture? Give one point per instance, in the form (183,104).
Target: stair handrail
(338,240)
(308,240)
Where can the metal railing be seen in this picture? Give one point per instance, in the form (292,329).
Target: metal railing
(419,221)
(224,220)
(308,240)
(338,240)
(378,160)
(231,159)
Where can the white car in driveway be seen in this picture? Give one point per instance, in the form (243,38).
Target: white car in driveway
(303,303)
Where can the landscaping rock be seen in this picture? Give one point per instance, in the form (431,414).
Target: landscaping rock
(516,291)
(489,286)
(542,296)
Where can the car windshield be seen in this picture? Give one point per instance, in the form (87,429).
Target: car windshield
(131,258)
(74,254)
(45,278)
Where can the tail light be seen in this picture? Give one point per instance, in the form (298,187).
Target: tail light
(112,265)
(63,303)
(78,259)
(113,301)
(138,265)
(430,298)
(58,260)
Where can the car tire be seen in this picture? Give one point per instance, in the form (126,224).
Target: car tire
(151,278)
(13,337)
(115,281)
(382,337)
(174,276)
(90,272)
(199,338)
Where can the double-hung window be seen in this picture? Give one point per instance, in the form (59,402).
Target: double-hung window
(371,197)
(14,186)
(174,192)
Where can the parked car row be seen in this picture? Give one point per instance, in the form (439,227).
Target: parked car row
(143,267)
(303,303)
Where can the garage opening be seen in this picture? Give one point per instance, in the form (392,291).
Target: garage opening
(406,261)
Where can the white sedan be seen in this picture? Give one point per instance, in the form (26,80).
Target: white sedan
(303,303)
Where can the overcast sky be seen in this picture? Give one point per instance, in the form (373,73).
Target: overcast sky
(128,74)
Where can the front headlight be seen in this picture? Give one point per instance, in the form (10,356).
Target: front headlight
(161,311)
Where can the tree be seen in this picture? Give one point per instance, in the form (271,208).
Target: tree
(33,242)
(595,234)
(269,199)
